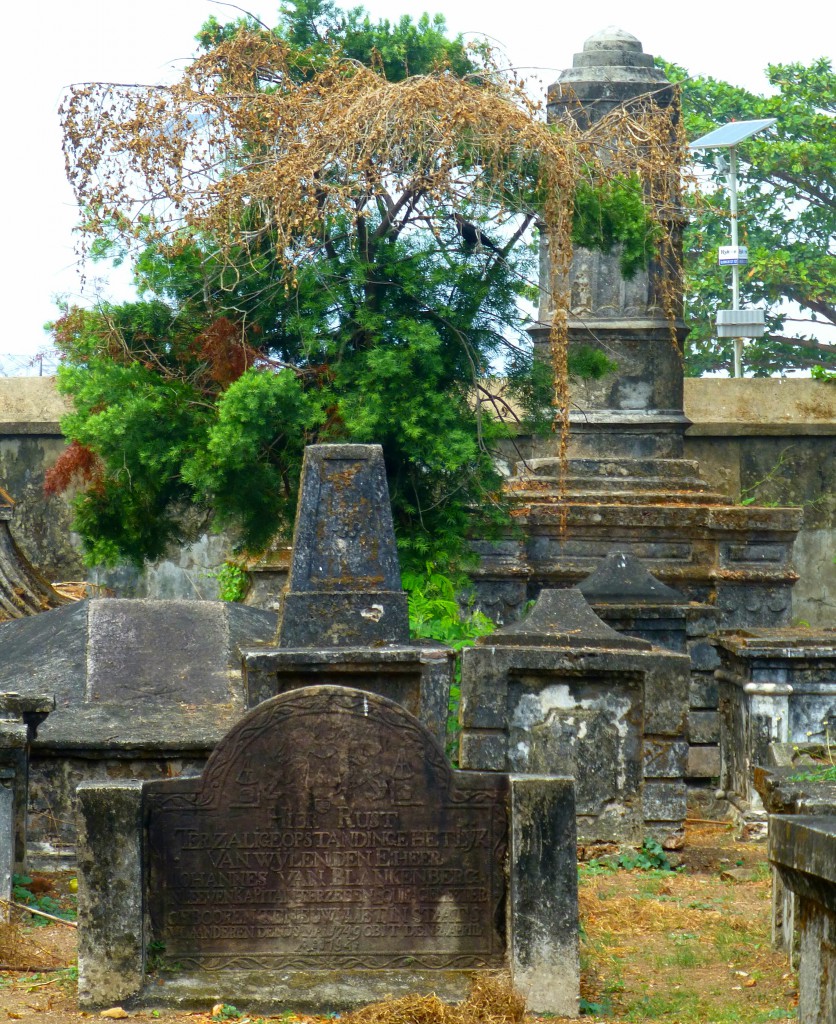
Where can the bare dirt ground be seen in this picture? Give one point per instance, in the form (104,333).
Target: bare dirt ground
(690,946)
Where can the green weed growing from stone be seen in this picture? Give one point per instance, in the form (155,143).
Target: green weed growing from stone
(233,582)
(437,613)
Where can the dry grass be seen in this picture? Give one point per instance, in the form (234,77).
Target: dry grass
(687,946)
(491,1001)
(21,950)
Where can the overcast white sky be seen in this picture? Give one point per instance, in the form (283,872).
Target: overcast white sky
(53,44)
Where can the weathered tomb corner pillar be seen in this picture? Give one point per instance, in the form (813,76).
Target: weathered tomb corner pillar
(543,904)
(20,717)
(111,943)
(344,617)
(803,851)
(344,588)
(636,411)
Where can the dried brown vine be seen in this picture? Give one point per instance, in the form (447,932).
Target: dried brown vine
(253,142)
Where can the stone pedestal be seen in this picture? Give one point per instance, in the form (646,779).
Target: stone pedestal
(776,686)
(635,411)
(561,692)
(803,851)
(417,676)
(344,619)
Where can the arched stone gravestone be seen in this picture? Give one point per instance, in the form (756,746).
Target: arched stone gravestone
(328,856)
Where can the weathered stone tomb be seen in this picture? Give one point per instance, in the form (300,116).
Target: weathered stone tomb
(787,784)
(327,856)
(775,686)
(561,692)
(142,689)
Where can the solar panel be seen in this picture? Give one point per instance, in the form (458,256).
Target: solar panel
(732,133)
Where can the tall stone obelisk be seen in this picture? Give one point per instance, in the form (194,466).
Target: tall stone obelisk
(637,410)
(624,485)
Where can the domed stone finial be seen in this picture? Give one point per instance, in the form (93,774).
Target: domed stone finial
(612,38)
(615,56)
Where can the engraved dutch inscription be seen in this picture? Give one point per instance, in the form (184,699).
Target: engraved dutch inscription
(328,831)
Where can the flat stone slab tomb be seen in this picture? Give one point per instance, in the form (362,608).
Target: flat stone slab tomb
(327,856)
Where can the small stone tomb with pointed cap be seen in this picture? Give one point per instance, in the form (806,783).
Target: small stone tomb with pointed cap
(562,692)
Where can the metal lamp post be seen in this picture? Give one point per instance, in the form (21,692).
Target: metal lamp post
(735,323)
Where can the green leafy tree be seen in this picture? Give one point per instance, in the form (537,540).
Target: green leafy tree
(332,222)
(787,213)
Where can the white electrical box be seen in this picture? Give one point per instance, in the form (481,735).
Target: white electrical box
(740,323)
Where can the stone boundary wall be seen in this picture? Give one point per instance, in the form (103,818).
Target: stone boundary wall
(30,443)
(770,440)
(773,442)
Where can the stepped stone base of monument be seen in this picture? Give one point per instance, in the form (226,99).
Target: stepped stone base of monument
(732,564)
(736,558)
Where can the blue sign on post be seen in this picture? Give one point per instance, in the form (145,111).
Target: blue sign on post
(733,255)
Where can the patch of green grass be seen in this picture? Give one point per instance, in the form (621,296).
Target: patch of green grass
(651,883)
(684,951)
(673,1005)
(763,872)
(717,903)
(815,775)
(735,945)
(68,978)
(592,1009)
